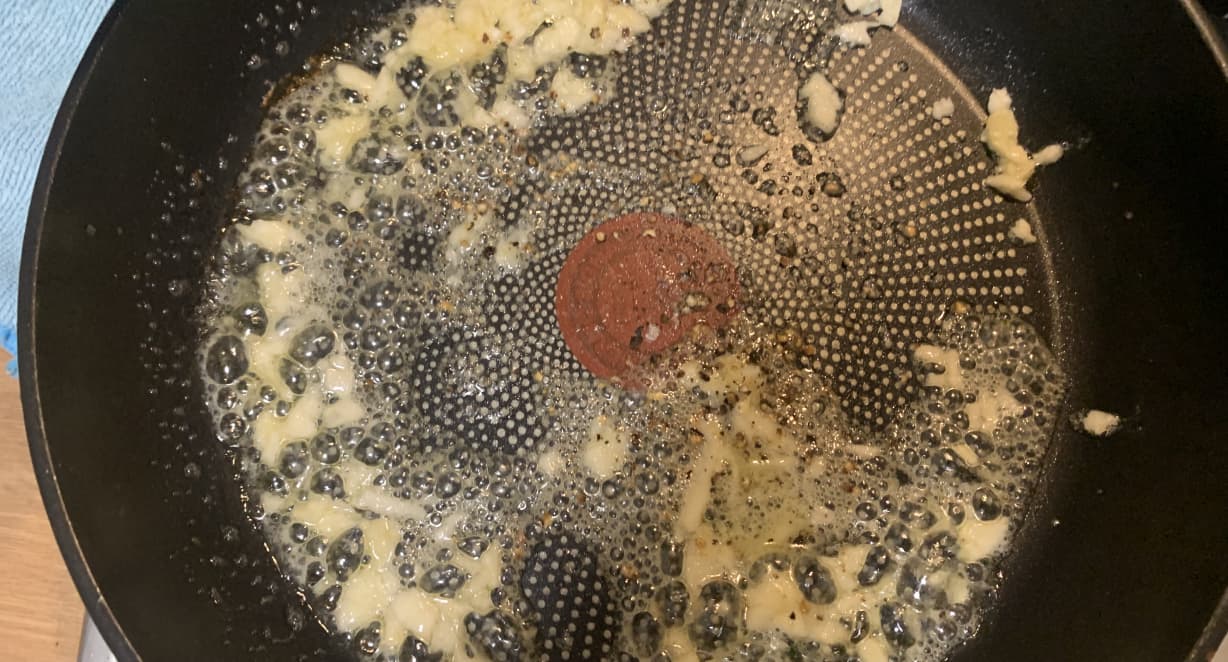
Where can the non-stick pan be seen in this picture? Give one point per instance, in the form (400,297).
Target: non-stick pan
(1125,559)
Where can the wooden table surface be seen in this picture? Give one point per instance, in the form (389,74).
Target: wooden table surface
(40,613)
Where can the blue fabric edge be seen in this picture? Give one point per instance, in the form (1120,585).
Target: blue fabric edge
(8,336)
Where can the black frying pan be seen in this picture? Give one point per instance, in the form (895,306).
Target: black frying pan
(132,190)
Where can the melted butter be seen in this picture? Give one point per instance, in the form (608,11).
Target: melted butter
(1100,423)
(437,622)
(330,517)
(1022,230)
(336,139)
(750,481)
(271,432)
(951,377)
(823,102)
(535,34)
(857,33)
(551,463)
(979,540)
(571,92)
(284,295)
(749,463)
(678,646)
(993,403)
(775,603)
(942,108)
(605,448)
(708,559)
(1014,165)
(273,236)
(874,649)
(267,352)
(380,502)
(713,457)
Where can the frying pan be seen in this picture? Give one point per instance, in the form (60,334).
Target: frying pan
(1126,558)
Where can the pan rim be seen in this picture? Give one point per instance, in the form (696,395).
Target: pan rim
(1215,632)
(95,603)
(1215,40)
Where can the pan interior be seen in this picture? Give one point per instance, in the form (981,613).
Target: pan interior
(466,413)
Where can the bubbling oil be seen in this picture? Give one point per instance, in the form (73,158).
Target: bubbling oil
(437,498)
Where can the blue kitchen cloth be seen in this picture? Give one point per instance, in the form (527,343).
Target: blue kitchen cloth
(41,42)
